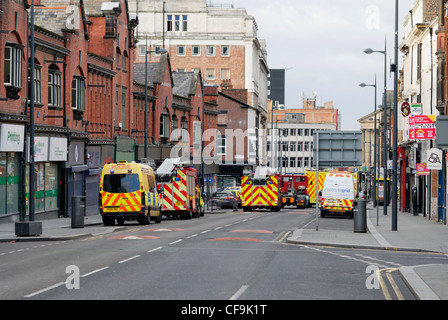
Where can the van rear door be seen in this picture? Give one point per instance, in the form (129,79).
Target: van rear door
(121,192)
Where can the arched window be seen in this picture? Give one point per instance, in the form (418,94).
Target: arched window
(54,86)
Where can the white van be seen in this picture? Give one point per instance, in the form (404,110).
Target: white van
(338,194)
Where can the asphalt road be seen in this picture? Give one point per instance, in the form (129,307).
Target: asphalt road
(231,256)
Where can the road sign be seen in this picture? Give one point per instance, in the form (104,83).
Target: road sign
(416,109)
(338,149)
(405,109)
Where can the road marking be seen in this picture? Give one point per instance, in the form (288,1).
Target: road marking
(156,249)
(394,285)
(45,289)
(128,259)
(252,231)
(192,236)
(177,241)
(217,228)
(236,239)
(95,271)
(239,292)
(383,285)
(205,231)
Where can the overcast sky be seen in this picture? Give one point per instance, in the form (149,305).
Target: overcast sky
(321,44)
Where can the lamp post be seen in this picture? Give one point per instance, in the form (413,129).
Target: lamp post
(376,153)
(370,51)
(146,97)
(395,133)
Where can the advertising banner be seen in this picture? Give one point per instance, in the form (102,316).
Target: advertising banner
(422,127)
(422,170)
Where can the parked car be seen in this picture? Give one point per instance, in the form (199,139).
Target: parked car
(224,199)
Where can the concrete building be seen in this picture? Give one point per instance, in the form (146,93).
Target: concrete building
(290,141)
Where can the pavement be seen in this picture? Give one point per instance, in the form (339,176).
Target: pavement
(413,234)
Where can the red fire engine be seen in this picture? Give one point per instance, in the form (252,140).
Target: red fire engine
(179,190)
(293,190)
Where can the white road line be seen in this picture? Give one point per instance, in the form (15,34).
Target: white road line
(205,231)
(239,292)
(154,249)
(217,228)
(192,236)
(176,241)
(126,260)
(94,271)
(45,289)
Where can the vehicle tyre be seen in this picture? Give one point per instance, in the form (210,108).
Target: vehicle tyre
(120,221)
(159,218)
(143,221)
(322,214)
(108,221)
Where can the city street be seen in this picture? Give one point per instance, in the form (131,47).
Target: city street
(234,255)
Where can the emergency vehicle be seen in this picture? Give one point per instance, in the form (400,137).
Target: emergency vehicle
(261,190)
(179,190)
(311,186)
(338,194)
(293,190)
(128,191)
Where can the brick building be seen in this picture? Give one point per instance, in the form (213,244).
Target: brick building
(89,104)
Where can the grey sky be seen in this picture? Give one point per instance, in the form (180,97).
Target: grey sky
(321,42)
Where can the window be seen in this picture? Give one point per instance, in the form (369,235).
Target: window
(196,50)
(292,162)
(225,74)
(225,51)
(177,23)
(141,50)
(268,146)
(292,132)
(292,146)
(222,144)
(169,23)
(37,85)
(184,23)
(307,147)
(9,182)
(117,62)
(123,108)
(284,162)
(307,132)
(54,88)
(299,162)
(181,50)
(211,51)
(123,64)
(164,125)
(184,126)
(13,67)
(197,135)
(210,74)
(174,129)
(300,146)
(78,93)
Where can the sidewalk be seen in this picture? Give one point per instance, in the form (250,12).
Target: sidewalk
(414,233)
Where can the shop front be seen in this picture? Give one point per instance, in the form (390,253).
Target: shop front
(12,137)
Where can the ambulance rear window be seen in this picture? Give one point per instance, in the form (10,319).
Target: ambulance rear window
(121,183)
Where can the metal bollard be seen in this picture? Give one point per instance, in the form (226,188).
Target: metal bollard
(360,217)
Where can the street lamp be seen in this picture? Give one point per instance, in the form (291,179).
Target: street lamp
(370,51)
(376,153)
(146,97)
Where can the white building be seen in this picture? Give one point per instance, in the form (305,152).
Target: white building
(290,143)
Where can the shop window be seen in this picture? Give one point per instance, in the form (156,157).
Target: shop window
(9,183)
(45,186)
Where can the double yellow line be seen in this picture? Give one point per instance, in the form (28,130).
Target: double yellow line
(393,284)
